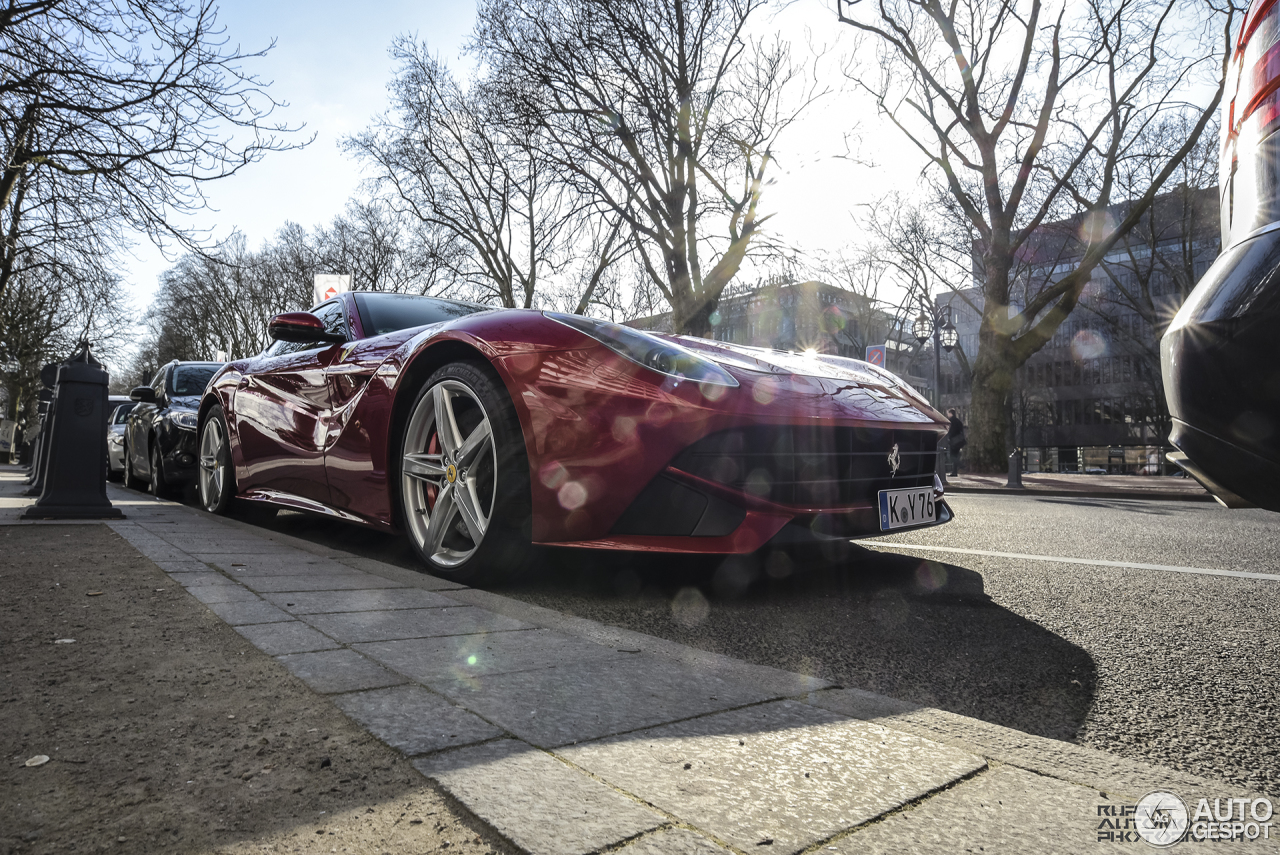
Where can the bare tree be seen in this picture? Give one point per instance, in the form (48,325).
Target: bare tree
(1026,116)
(664,113)
(113,113)
(457,165)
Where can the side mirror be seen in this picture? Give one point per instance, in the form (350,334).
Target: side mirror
(300,328)
(143,395)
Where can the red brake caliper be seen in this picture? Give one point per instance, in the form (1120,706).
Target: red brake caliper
(433,447)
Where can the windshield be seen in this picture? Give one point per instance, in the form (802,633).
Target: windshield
(191,379)
(384,313)
(118,417)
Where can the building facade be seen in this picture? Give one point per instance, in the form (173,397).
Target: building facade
(1092,398)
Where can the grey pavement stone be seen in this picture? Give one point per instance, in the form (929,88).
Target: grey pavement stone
(673,841)
(205,579)
(333,671)
(315,582)
(183,566)
(354,627)
(1004,810)
(228,544)
(412,577)
(210,594)
(785,772)
(1131,779)
(241,613)
(775,681)
(413,720)
(380,599)
(461,658)
(534,800)
(277,639)
(588,700)
(299,564)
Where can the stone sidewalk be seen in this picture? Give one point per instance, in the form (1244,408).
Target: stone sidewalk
(568,736)
(1138,487)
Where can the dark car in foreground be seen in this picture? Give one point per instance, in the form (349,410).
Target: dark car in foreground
(1221,377)
(482,432)
(160,431)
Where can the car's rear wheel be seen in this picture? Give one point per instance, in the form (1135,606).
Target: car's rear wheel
(217,483)
(464,477)
(131,479)
(159,487)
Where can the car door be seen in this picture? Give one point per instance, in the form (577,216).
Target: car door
(281,409)
(138,428)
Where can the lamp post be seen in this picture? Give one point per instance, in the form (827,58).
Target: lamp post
(938,326)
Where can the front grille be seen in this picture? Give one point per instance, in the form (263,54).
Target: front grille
(820,466)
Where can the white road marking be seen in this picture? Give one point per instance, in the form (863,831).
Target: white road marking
(1057,559)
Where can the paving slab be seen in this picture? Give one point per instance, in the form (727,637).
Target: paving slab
(588,700)
(418,578)
(218,545)
(299,564)
(353,627)
(349,581)
(333,671)
(1003,811)
(673,841)
(535,801)
(379,599)
(463,658)
(246,612)
(210,594)
(204,579)
(183,566)
(413,720)
(1119,776)
(784,772)
(277,639)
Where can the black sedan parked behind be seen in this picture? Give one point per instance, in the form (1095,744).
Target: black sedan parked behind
(160,436)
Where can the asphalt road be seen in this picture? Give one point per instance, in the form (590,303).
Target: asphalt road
(1178,668)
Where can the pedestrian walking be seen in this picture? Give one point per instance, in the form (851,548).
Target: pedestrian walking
(956,441)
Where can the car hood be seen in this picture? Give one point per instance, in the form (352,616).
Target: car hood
(185,402)
(872,390)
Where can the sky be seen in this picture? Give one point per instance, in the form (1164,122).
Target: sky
(332,67)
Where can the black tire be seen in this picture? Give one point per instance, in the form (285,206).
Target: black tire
(216,481)
(159,486)
(473,472)
(131,479)
(113,475)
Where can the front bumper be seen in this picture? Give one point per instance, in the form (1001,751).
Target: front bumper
(179,458)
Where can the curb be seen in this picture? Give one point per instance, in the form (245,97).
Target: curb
(1083,494)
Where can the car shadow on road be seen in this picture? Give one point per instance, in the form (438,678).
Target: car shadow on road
(917,630)
(913,629)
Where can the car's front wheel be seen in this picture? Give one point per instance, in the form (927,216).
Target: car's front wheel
(159,486)
(216,480)
(464,477)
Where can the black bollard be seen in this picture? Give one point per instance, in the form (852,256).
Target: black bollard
(1015,469)
(75,468)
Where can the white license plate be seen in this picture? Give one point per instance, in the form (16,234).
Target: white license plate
(901,508)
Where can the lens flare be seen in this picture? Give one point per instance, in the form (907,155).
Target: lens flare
(572,495)
(765,390)
(689,607)
(1088,345)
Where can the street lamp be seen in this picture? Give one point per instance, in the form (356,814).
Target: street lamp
(939,327)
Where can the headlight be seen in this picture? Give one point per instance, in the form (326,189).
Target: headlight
(186,421)
(650,351)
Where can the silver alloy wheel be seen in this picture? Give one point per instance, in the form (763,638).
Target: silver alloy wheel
(213,472)
(448,480)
